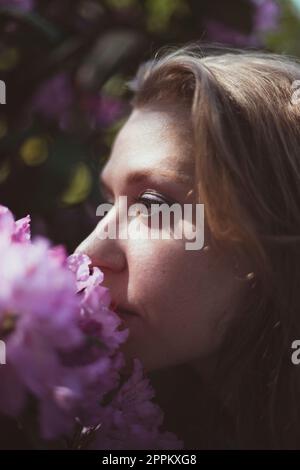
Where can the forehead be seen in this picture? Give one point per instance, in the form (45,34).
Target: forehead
(158,139)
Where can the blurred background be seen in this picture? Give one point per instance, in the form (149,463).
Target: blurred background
(66,63)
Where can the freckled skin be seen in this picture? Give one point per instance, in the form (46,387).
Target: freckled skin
(184,297)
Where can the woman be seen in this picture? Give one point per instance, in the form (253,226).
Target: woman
(213,327)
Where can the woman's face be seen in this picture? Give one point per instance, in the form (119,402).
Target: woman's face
(181,299)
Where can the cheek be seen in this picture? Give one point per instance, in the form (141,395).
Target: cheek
(162,273)
(171,287)
(185,295)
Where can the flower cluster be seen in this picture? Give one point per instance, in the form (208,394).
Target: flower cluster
(62,347)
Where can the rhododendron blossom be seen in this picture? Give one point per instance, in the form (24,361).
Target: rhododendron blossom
(62,346)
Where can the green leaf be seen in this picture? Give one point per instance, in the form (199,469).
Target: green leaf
(108,53)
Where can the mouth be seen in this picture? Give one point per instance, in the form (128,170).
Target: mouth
(125,313)
(122,312)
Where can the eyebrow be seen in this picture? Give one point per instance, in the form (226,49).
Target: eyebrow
(140,176)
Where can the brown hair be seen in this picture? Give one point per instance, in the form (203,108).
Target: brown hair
(246,130)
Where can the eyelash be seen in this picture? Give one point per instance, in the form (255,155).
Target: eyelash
(147,201)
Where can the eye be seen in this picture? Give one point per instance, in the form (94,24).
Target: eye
(150,197)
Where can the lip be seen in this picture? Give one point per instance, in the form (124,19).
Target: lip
(122,311)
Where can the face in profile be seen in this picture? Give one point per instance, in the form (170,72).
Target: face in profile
(175,302)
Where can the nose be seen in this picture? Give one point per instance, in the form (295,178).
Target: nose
(106,253)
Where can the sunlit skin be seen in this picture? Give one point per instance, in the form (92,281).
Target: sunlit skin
(183,300)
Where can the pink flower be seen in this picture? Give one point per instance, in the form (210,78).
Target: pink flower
(44,322)
(54,97)
(102,110)
(62,344)
(132,420)
(267,15)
